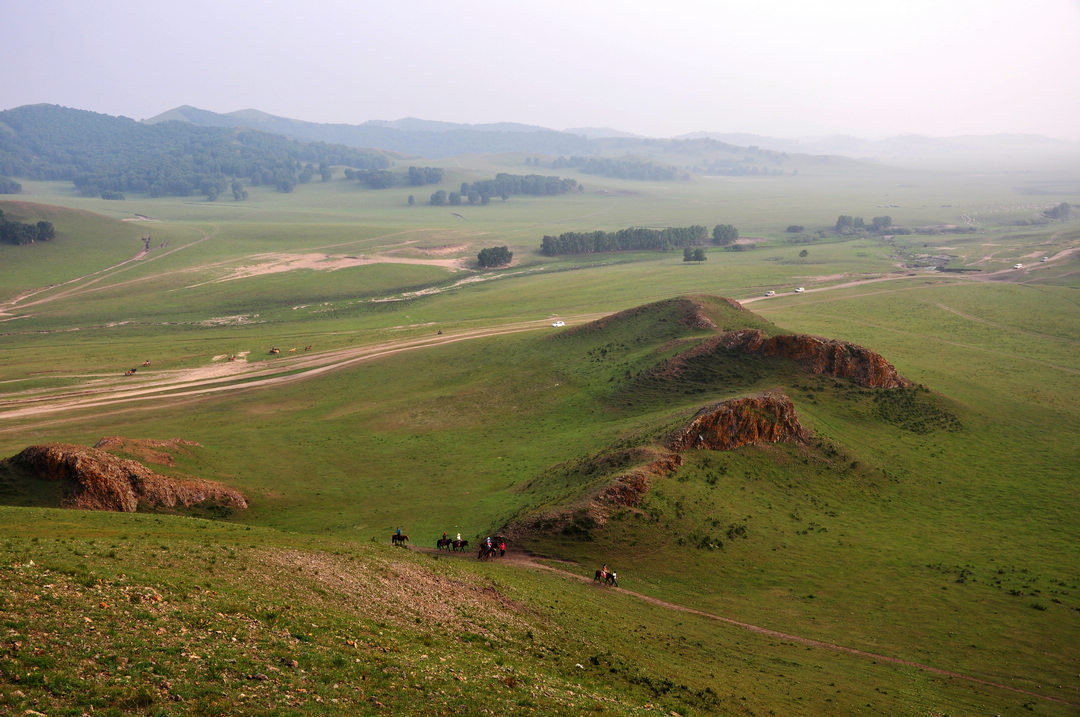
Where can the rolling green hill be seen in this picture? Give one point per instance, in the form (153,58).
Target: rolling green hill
(914,552)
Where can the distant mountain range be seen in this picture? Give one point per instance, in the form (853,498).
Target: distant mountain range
(440,139)
(916,150)
(408,136)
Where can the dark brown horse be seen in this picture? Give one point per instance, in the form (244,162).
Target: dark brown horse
(444,543)
(487,551)
(401,539)
(608,579)
(459,545)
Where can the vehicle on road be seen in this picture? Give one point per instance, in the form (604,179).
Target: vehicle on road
(770,293)
(559,324)
(800,290)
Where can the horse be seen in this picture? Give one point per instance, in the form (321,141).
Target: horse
(402,539)
(459,545)
(486,551)
(444,543)
(609,579)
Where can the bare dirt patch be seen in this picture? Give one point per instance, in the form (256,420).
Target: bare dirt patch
(265,264)
(444,250)
(149,450)
(401,592)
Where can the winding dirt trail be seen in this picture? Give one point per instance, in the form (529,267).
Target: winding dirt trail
(522,559)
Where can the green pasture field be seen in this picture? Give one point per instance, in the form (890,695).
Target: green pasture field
(939,528)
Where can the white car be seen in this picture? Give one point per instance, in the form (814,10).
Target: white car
(1045,258)
(1018,266)
(800,290)
(558,324)
(770,293)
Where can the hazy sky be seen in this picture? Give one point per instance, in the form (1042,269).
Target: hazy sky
(788,68)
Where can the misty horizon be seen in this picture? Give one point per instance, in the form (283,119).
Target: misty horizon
(775,69)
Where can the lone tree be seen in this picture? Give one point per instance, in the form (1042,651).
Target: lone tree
(494,256)
(691,254)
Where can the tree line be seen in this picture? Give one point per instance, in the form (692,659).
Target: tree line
(384,179)
(620,168)
(504,186)
(632,238)
(15,232)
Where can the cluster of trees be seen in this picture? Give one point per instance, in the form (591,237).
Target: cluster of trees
(103,154)
(384,178)
(419,176)
(732,168)
(15,232)
(494,256)
(624,240)
(620,168)
(503,186)
(9,186)
(691,254)
(373,178)
(849,225)
(1061,211)
(724,234)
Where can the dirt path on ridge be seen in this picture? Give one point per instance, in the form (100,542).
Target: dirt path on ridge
(522,559)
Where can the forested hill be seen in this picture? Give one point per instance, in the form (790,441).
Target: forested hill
(409,136)
(109,155)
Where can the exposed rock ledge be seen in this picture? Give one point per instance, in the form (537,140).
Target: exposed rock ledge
(96,480)
(754,420)
(819,355)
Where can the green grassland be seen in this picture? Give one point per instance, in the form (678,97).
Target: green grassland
(935,525)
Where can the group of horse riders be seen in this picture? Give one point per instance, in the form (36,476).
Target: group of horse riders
(497,548)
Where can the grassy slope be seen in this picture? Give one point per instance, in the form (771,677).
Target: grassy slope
(910,553)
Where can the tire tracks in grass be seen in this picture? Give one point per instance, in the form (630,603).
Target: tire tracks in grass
(87,280)
(246,376)
(523,559)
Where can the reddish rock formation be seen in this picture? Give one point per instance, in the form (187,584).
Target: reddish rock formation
(97,480)
(754,420)
(818,355)
(629,488)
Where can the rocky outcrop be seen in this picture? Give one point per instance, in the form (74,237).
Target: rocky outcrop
(629,488)
(821,356)
(96,480)
(753,420)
